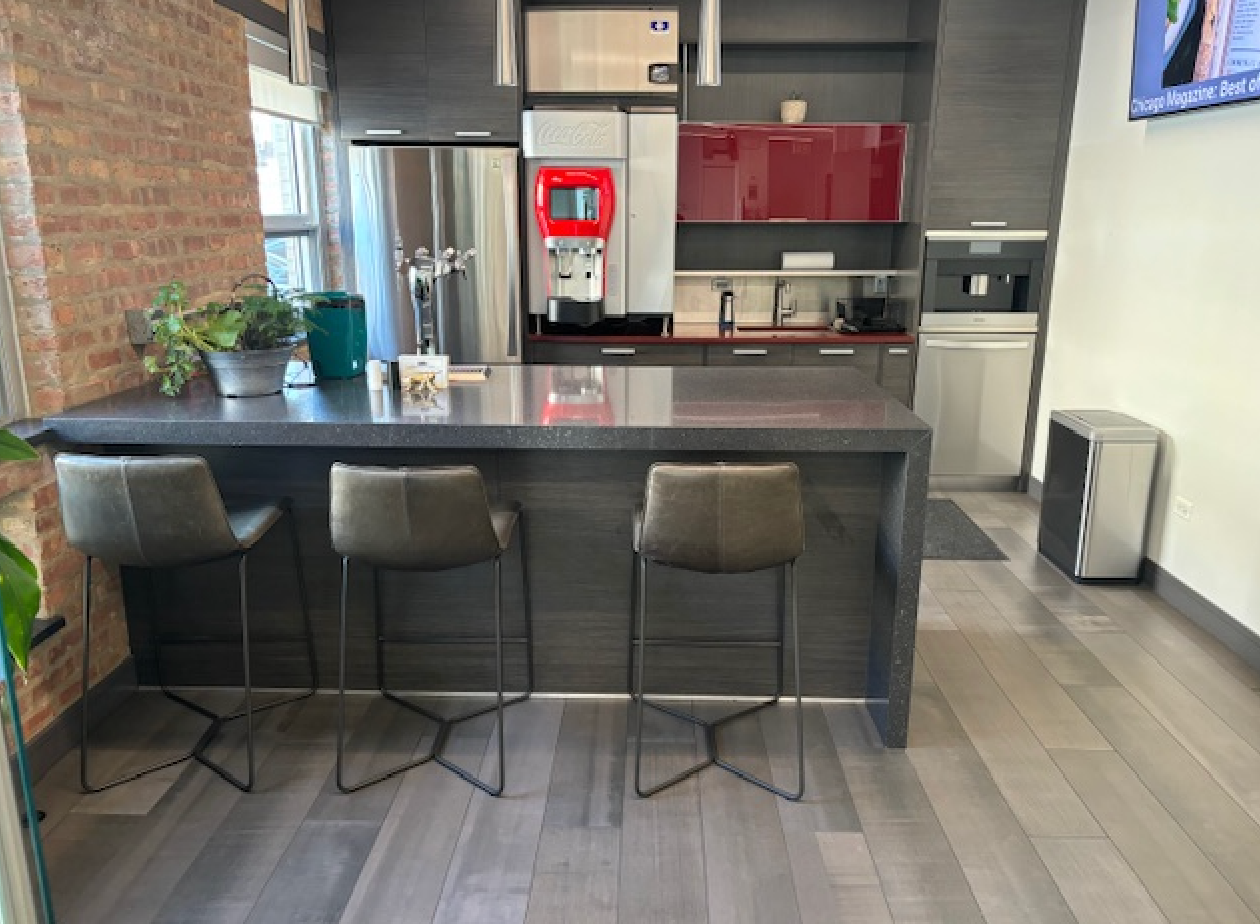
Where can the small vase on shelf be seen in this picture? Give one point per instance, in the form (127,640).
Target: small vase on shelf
(792,110)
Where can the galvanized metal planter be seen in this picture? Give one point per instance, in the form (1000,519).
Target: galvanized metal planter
(248,373)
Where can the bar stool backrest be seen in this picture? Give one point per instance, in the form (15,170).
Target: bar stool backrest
(150,512)
(723,518)
(412,519)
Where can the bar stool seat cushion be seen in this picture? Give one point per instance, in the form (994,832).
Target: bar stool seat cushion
(721,518)
(250,522)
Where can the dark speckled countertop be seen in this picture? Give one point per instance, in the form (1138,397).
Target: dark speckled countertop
(703,408)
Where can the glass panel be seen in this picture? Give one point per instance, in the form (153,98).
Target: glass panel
(279,180)
(290,262)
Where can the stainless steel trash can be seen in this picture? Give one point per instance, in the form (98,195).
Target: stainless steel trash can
(1096,497)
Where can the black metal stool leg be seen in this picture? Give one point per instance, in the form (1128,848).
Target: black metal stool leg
(85,687)
(787,603)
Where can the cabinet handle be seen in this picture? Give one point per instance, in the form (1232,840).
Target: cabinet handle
(750,352)
(382,131)
(988,224)
(478,134)
(898,351)
(834,351)
(618,351)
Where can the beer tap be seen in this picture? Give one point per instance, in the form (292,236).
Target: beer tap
(422,272)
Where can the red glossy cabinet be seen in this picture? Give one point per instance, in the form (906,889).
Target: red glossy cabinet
(774,172)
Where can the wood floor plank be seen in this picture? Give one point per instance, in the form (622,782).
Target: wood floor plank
(317,874)
(575,876)
(932,723)
(747,868)
(1099,886)
(403,876)
(1024,773)
(662,875)
(1215,822)
(921,877)
(1007,877)
(1069,662)
(945,575)
(1183,882)
(224,881)
(1049,711)
(857,897)
(134,882)
(490,872)
(1021,607)
(1231,760)
(931,614)
(588,775)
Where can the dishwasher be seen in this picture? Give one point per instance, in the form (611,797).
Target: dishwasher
(974,391)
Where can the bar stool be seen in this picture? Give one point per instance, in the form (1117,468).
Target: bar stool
(166,512)
(425,519)
(718,519)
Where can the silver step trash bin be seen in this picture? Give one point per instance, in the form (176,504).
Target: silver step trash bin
(1096,497)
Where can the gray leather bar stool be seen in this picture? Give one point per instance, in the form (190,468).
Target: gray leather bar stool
(166,512)
(425,519)
(718,519)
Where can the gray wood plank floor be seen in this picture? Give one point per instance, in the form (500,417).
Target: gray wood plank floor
(1075,755)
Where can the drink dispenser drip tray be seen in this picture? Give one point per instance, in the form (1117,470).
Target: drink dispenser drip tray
(574,311)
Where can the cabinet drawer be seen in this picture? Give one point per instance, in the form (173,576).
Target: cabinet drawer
(617,354)
(896,366)
(749,354)
(863,357)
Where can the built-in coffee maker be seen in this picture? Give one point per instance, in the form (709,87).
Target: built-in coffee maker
(982,284)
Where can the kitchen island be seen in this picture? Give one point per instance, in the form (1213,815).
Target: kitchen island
(573,445)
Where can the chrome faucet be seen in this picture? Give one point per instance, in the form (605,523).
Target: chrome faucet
(781,307)
(422,271)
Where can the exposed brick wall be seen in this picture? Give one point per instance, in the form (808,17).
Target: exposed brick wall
(126,160)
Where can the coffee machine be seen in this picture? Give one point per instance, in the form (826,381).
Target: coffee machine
(574,208)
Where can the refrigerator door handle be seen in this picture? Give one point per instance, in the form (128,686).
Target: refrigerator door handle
(511,220)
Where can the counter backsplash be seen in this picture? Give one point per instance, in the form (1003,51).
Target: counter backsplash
(696,301)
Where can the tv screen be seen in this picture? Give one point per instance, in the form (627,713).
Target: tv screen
(1189,54)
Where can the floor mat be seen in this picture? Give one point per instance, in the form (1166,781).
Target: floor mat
(951,534)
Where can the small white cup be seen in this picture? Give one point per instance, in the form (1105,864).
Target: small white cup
(375,375)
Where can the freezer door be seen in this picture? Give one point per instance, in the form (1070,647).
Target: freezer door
(653,204)
(475,204)
(404,198)
(974,391)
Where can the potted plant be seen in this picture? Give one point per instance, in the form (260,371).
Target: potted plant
(245,343)
(19,580)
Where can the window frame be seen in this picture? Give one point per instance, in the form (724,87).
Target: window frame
(13,397)
(304,225)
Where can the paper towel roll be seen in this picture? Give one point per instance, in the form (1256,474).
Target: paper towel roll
(805,260)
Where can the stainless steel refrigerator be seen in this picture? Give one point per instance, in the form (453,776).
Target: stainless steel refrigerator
(405,198)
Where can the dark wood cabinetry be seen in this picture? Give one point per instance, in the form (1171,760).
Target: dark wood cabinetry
(1004,77)
(618,354)
(896,372)
(419,71)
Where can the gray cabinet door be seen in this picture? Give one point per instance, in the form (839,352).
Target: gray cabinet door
(617,354)
(378,49)
(418,71)
(859,356)
(464,104)
(1002,80)
(748,354)
(896,369)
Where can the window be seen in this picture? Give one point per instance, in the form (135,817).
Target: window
(288,180)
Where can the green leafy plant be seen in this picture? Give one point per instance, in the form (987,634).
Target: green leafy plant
(20,594)
(256,317)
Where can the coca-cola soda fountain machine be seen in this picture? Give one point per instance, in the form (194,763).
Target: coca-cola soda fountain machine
(604,191)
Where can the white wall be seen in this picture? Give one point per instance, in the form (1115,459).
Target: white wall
(1155,309)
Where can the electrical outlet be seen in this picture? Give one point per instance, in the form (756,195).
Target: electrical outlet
(1183,508)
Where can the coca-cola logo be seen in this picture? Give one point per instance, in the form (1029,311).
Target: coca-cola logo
(573,135)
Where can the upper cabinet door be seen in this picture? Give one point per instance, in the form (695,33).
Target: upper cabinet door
(380,69)
(464,104)
(420,71)
(773,172)
(1001,98)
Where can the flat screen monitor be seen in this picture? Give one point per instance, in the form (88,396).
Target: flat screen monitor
(1190,54)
